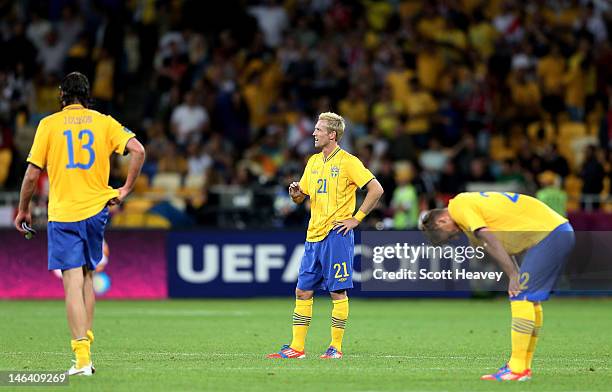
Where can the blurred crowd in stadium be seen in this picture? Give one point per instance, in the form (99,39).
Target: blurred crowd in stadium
(439,97)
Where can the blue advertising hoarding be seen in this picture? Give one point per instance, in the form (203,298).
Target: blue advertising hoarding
(250,264)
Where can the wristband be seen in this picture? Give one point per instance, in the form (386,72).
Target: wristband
(360,215)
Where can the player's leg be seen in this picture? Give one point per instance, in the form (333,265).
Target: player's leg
(89,296)
(93,236)
(302,315)
(339,317)
(337,253)
(66,253)
(77,315)
(309,278)
(523,325)
(539,272)
(539,321)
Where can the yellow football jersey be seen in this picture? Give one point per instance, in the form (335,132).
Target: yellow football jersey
(518,221)
(75,145)
(331,184)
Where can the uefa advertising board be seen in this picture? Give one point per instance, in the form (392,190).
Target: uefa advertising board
(198,264)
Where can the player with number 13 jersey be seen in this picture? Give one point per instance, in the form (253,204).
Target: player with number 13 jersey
(74,145)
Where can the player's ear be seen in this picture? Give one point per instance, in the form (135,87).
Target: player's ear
(443,219)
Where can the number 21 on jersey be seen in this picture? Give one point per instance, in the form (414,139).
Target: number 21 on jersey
(322,183)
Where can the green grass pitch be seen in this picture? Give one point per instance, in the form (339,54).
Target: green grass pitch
(390,345)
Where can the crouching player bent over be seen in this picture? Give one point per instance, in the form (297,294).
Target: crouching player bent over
(75,146)
(511,224)
(330,179)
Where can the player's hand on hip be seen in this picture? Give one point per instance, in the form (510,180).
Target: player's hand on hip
(344,226)
(23,216)
(514,288)
(295,190)
(123,192)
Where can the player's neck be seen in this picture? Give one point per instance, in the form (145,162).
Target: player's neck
(329,149)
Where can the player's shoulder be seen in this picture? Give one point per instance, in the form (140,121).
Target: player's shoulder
(346,157)
(98,116)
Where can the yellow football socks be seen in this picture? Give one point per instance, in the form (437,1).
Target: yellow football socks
(302,314)
(340,314)
(539,320)
(523,325)
(81,348)
(90,336)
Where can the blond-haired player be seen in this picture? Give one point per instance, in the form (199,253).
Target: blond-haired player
(511,224)
(330,179)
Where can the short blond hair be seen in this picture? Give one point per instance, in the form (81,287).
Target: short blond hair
(335,123)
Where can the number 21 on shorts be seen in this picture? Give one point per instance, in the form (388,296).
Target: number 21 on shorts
(341,271)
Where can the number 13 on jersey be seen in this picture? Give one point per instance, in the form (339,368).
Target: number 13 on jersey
(87,147)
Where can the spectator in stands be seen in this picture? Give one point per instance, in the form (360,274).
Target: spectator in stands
(171,161)
(551,193)
(592,174)
(189,121)
(405,202)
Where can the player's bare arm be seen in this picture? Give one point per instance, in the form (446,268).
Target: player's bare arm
(27,191)
(296,194)
(375,191)
(497,251)
(137,157)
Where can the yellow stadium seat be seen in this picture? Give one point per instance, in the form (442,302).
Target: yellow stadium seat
(195,181)
(573,185)
(534,128)
(194,184)
(137,219)
(498,149)
(6,156)
(572,130)
(166,183)
(155,221)
(141,185)
(137,205)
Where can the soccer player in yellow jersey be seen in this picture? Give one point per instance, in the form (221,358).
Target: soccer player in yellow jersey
(511,224)
(74,146)
(330,179)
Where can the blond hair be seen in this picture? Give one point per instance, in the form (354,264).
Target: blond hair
(335,123)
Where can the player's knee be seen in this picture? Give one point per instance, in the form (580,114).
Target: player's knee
(303,294)
(338,294)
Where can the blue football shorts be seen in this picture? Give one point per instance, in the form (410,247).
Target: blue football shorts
(76,244)
(328,264)
(543,263)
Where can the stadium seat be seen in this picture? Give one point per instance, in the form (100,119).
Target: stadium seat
(137,205)
(135,220)
(578,146)
(498,148)
(571,130)
(6,156)
(194,184)
(154,221)
(573,187)
(166,183)
(195,181)
(142,184)
(534,128)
